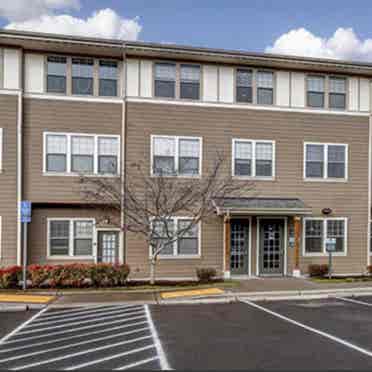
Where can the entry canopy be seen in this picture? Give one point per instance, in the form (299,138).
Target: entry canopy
(261,206)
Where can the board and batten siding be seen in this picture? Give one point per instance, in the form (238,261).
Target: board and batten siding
(12,62)
(289,131)
(8,180)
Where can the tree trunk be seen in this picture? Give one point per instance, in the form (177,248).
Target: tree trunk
(152,271)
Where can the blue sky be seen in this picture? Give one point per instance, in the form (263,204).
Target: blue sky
(241,24)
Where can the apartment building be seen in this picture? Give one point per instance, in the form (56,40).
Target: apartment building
(299,128)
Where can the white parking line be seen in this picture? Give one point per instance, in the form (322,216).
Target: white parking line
(79,329)
(74,310)
(22,356)
(354,301)
(121,316)
(67,356)
(136,364)
(159,348)
(97,361)
(80,317)
(311,329)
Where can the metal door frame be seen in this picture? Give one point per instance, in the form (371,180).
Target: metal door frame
(258,242)
(249,219)
(120,242)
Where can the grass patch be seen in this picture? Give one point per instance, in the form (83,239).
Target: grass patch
(342,280)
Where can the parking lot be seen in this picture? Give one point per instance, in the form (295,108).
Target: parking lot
(333,333)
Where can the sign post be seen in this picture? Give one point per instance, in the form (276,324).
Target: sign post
(25,219)
(330,247)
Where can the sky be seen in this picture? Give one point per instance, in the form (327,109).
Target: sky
(320,28)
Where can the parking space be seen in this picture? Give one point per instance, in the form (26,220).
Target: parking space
(11,319)
(104,337)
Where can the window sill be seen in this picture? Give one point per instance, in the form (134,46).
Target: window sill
(327,180)
(254,178)
(70,258)
(178,176)
(343,254)
(56,174)
(180,257)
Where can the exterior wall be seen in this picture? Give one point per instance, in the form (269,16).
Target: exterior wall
(219,126)
(8,180)
(42,115)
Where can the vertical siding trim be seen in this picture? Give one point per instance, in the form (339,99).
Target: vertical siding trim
(369,191)
(19,175)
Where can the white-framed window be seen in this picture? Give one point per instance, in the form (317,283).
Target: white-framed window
(337,93)
(253,158)
(317,229)
(325,161)
(76,153)
(71,237)
(265,87)
(56,74)
(315,91)
(187,245)
(176,156)
(1,148)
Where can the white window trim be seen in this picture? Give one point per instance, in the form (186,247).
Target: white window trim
(176,155)
(176,256)
(69,153)
(71,256)
(324,253)
(253,176)
(325,177)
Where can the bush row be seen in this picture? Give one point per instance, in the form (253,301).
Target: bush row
(63,276)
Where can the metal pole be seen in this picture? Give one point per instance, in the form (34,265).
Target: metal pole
(24,276)
(330,265)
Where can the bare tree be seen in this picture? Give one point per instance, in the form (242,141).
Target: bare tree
(148,203)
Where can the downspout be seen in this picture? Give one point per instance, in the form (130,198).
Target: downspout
(20,158)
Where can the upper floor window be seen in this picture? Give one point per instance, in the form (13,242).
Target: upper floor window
(244,91)
(108,78)
(82,76)
(176,156)
(337,93)
(253,158)
(81,153)
(190,82)
(318,230)
(165,80)
(56,74)
(265,88)
(325,161)
(315,91)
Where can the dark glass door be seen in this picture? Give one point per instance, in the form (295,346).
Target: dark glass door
(108,246)
(239,257)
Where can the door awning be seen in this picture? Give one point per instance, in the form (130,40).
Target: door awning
(261,206)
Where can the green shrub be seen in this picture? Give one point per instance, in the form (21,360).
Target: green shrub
(316,270)
(206,274)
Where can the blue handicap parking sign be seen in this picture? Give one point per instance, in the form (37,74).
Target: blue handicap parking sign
(25,211)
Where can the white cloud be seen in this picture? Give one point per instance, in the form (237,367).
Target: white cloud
(343,44)
(21,10)
(105,23)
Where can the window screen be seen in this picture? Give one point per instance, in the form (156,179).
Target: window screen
(108,78)
(314,236)
(82,76)
(56,74)
(337,93)
(244,86)
(188,243)
(264,159)
(82,158)
(190,82)
(164,156)
(56,156)
(243,158)
(336,229)
(265,88)
(165,80)
(336,161)
(314,161)
(59,235)
(83,238)
(315,91)
(163,235)
(108,152)
(189,153)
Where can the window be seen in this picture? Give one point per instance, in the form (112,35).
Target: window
(265,88)
(56,74)
(326,161)
(187,244)
(165,80)
(244,92)
(82,76)
(56,153)
(108,78)
(176,156)
(315,91)
(318,230)
(190,82)
(70,237)
(337,93)
(253,158)
(81,153)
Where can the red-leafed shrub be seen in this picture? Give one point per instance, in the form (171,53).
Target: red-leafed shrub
(369,269)
(316,270)
(206,274)
(62,276)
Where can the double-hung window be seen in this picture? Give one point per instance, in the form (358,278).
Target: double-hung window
(70,237)
(244,90)
(56,74)
(176,156)
(318,230)
(82,76)
(190,82)
(253,158)
(165,80)
(337,93)
(182,236)
(108,78)
(81,153)
(326,161)
(315,91)
(265,88)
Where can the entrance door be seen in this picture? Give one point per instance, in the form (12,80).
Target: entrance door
(108,246)
(239,248)
(271,246)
